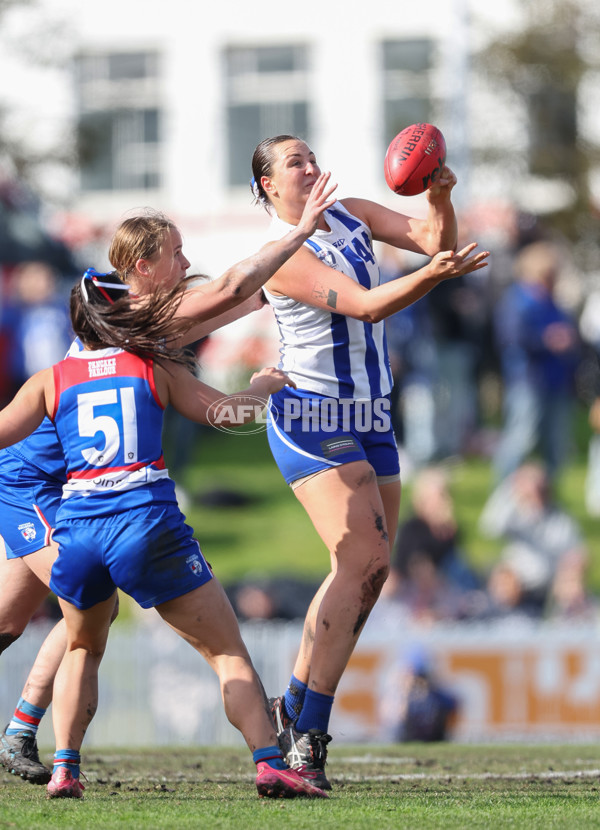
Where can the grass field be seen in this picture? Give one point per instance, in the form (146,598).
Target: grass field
(415,786)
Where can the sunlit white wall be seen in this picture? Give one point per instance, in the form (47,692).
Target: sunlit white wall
(219,223)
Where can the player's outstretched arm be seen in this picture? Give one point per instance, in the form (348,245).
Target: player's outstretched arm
(306,279)
(27,409)
(438,231)
(240,282)
(204,404)
(397,294)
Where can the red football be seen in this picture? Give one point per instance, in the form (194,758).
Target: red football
(414,159)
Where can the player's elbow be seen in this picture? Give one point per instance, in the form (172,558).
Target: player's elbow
(371,315)
(364,309)
(435,244)
(235,284)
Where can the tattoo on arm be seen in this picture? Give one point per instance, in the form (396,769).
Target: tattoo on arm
(332,298)
(328,295)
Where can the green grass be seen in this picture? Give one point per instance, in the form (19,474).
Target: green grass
(401,786)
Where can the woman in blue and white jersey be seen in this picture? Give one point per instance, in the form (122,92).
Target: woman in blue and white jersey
(332,436)
(146,251)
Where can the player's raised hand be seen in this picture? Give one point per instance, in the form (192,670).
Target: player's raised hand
(319,199)
(443,185)
(448,264)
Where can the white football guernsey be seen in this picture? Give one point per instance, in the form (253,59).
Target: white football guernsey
(322,351)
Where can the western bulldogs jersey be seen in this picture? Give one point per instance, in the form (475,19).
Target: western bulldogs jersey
(108,418)
(42,450)
(322,351)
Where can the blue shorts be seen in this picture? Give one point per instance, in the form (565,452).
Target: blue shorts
(309,433)
(149,553)
(28,505)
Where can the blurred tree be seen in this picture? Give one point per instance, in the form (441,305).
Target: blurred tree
(548,64)
(32,159)
(29,37)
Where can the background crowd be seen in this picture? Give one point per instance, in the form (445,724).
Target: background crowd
(497,365)
(504,366)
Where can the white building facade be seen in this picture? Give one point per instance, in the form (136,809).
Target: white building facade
(168,101)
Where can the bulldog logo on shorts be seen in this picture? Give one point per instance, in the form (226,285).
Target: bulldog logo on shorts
(28,531)
(195,564)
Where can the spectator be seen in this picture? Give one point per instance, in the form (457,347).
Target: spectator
(506,595)
(539,350)
(538,533)
(569,600)
(271,598)
(36,319)
(415,705)
(589,327)
(459,321)
(433,530)
(424,593)
(413,359)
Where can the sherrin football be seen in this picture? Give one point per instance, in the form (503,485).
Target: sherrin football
(415,159)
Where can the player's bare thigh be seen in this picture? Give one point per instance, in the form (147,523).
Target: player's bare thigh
(346,507)
(40,562)
(204,617)
(21,590)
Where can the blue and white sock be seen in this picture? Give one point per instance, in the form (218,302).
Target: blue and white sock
(26,718)
(68,758)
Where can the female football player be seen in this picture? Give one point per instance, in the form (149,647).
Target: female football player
(331,435)
(145,250)
(118,524)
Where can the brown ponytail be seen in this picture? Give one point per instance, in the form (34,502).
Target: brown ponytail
(142,326)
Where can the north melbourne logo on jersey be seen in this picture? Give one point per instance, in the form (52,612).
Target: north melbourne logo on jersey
(328,258)
(28,531)
(101,368)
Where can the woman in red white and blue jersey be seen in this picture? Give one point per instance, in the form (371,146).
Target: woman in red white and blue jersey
(119,525)
(146,251)
(332,436)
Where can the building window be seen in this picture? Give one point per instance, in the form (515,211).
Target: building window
(406,80)
(266,90)
(119,129)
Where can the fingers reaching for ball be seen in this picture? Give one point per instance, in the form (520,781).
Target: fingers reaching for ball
(449,264)
(479,260)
